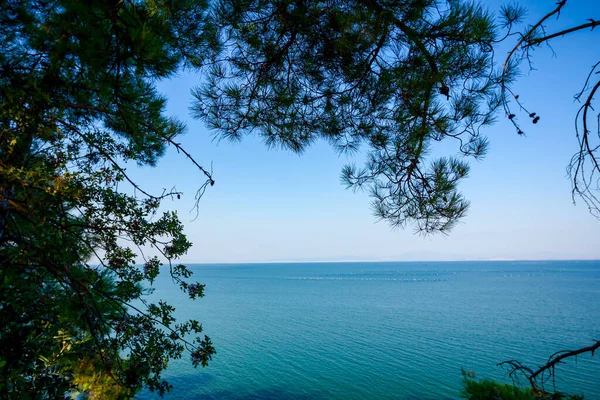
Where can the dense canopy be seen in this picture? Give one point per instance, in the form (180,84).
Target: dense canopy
(78,104)
(396,76)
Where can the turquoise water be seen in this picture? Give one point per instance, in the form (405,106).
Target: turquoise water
(385,330)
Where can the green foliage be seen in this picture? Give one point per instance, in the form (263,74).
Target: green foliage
(397,77)
(486,389)
(95,383)
(77,104)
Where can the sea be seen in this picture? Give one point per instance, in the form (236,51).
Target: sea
(385,330)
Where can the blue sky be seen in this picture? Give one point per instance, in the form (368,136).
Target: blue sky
(272,205)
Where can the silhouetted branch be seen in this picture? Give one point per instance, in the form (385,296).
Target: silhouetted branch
(516,367)
(592,24)
(583,179)
(527,36)
(523,43)
(584,168)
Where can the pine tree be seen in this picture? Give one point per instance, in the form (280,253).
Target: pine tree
(396,77)
(391,79)
(77,104)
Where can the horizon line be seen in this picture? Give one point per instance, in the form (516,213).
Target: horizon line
(390,261)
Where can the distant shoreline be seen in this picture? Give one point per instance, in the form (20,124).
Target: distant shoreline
(389,261)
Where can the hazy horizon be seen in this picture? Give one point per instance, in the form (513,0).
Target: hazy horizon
(408,260)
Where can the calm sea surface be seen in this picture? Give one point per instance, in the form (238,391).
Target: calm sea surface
(394,330)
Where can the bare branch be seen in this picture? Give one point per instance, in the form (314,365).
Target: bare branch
(515,367)
(592,24)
